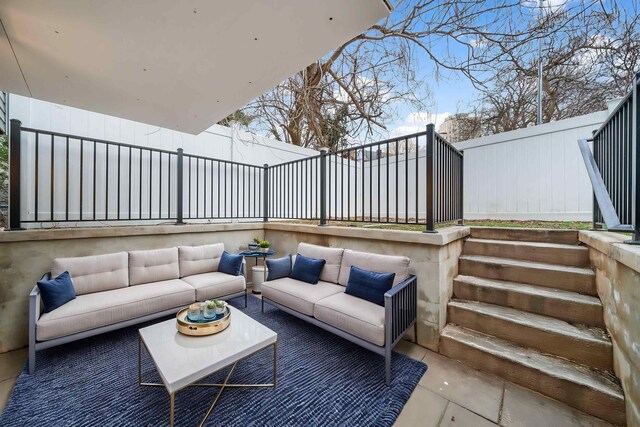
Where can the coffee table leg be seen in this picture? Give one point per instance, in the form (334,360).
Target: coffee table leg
(275,351)
(139,360)
(171,404)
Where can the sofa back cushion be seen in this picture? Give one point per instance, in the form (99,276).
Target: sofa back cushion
(374,262)
(95,273)
(199,259)
(333,257)
(153,266)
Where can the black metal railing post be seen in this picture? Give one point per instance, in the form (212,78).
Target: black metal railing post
(595,212)
(323,188)
(635,140)
(265,191)
(15,132)
(180,188)
(429,200)
(461,222)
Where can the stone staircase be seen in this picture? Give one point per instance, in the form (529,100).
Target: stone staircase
(525,307)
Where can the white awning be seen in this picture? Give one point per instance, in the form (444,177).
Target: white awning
(182,65)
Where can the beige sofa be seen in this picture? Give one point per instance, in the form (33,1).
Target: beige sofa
(121,289)
(326,304)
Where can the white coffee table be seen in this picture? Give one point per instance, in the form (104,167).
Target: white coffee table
(183,360)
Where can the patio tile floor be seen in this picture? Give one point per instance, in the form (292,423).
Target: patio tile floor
(449,394)
(11,364)
(452,394)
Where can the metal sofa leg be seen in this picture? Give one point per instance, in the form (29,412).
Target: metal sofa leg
(262,299)
(415,331)
(387,363)
(245,297)
(32,359)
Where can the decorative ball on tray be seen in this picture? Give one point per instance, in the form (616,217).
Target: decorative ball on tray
(210,310)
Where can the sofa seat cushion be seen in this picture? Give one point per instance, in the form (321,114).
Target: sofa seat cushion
(98,309)
(353,315)
(215,285)
(297,295)
(95,273)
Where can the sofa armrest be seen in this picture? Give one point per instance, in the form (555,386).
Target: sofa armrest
(401,307)
(35,300)
(243,269)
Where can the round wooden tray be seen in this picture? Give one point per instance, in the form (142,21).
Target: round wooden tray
(186,327)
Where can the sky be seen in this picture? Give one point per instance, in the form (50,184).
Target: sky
(450,94)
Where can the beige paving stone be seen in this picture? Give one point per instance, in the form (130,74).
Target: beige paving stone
(12,362)
(410,349)
(525,408)
(465,386)
(424,408)
(457,416)
(5,391)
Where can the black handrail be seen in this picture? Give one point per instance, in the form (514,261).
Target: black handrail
(616,154)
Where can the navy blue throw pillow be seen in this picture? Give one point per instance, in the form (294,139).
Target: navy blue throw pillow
(56,292)
(230,264)
(307,269)
(369,285)
(278,268)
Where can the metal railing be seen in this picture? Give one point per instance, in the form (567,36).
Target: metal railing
(616,151)
(294,189)
(72,179)
(414,179)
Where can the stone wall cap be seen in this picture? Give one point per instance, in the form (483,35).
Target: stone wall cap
(612,245)
(120,231)
(443,237)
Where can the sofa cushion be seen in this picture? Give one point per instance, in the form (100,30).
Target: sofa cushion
(353,315)
(299,296)
(369,285)
(199,259)
(56,292)
(95,273)
(332,256)
(307,269)
(94,310)
(374,262)
(230,264)
(153,266)
(279,267)
(215,285)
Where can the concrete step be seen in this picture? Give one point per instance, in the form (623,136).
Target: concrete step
(586,346)
(567,237)
(569,306)
(588,390)
(574,279)
(551,253)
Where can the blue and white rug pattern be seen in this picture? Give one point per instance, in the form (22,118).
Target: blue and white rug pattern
(323,380)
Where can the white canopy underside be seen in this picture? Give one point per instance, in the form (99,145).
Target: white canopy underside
(182,65)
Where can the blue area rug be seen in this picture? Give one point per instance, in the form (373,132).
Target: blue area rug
(323,380)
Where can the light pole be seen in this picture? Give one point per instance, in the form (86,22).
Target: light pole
(540,70)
